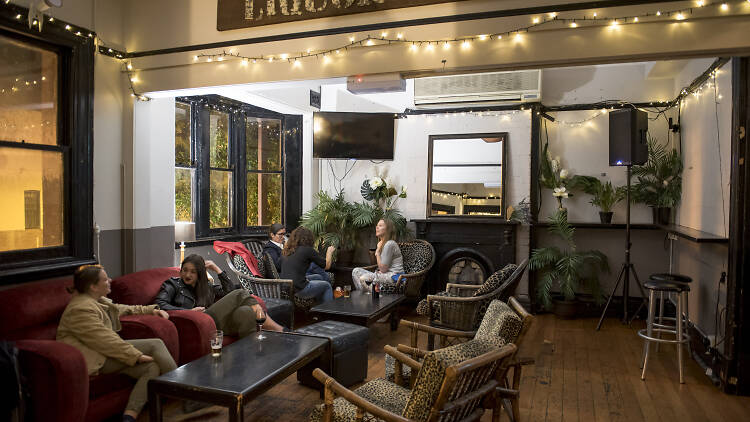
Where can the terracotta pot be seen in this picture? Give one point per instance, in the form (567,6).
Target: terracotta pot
(344,258)
(605,217)
(565,309)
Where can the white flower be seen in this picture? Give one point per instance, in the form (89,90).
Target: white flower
(560,192)
(665,183)
(563,173)
(376,182)
(555,165)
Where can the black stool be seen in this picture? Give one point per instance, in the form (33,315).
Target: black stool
(681,337)
(346,360)
(671,278)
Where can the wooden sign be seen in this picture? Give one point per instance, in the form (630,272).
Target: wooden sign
(235,14)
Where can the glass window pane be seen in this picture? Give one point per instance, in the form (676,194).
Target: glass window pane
(31,185)
(28,93)
(183,194)
(220,196)
(270,193)
(252,199)
(219,134)
(263,141)
(182,135)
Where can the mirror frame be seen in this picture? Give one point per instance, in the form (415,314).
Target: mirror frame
(503,161)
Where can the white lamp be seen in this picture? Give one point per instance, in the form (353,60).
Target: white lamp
(184,231)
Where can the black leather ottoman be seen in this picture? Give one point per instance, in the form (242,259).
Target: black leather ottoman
(281,311)
(346,359)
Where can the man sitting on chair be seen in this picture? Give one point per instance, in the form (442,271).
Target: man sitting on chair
(277,238)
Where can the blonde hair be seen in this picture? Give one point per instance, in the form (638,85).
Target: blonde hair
(390,230)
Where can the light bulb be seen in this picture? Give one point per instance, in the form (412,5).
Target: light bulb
(430,47)
(679,16)
(465,45)
(220,59)
(400,35)
(535,20)
(413,47)
(517,37)
(724,7)
(573,25)
(658,13)
(370,42)
(635,19)
(244,62)
(66,26)
(482,37)
(383,34)
(446,46)
(130,66)
(351,39)
(284,56)
(209,60)
(701,3)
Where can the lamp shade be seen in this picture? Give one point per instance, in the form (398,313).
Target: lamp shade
(184,231)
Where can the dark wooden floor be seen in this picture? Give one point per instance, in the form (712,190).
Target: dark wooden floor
(579,375)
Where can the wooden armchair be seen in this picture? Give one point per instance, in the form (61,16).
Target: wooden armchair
(462,306)
(502,324)
(452,383)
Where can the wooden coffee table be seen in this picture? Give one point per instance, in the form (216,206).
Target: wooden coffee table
(360,308)
(245,370)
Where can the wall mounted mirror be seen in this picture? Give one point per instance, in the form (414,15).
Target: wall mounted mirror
(466,175)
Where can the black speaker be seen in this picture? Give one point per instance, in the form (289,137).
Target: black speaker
(627,137)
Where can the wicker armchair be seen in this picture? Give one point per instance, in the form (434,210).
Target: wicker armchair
(498,325)
(419,257)
(451,385)
(460,308)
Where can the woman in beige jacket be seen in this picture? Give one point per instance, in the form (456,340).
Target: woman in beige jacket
(90,323)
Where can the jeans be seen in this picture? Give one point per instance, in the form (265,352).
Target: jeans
(319,289)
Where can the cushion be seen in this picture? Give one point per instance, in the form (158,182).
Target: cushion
(417,256)
(431,376)
(141,287)
(380,392)
(496,280)
(500,325)
(32,310)
(343,335)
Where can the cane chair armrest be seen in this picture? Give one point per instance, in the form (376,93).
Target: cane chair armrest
(411,351)
(270,287)
(332,388)
(507,393)
(462,289)
(407,360)
(415,326)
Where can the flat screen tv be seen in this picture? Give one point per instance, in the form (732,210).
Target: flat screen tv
(364,136)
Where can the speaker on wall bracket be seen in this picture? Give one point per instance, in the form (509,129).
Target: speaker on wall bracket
(627,137)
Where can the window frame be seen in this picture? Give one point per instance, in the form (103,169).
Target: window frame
(503,164)
(200,109)
(75,141)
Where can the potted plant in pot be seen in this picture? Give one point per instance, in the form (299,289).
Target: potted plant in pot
(659,181)
(381,197)
(553,176)
(567,269)
(604,195)
(332,222)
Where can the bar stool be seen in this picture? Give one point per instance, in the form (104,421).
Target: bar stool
(671,278)
(680,336)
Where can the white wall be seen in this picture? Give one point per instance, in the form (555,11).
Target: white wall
(706,122)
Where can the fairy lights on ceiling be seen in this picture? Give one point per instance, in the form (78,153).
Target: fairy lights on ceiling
(516,35)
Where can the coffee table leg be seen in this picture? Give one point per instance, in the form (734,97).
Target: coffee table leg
(235,412)
(394,320)
(154,407)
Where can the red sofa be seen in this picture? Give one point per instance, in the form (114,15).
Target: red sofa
(58,382)
(140,288)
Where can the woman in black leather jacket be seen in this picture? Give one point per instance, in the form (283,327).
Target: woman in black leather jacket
(233,310)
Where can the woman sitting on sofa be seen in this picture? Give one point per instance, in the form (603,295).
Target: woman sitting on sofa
(388,255)
(90,323)
(296,257)
(233,310)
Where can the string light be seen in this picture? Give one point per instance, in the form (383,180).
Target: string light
(724,7)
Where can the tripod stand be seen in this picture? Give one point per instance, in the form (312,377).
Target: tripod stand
(627,267)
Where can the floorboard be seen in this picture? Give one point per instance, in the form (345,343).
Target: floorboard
(579,375)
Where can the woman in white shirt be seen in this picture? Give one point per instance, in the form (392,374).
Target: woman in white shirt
(388,254)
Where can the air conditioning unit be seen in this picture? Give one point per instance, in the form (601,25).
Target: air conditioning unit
(478,89)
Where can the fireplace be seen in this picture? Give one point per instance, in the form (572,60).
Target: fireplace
(468,249)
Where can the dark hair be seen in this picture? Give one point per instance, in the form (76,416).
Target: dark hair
(84,277)
(275,227)
(204,293)
(299,237)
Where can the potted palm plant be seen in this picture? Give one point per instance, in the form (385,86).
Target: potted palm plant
(567,269)
(381,198)
(659,181)
(333,223)
(604,195)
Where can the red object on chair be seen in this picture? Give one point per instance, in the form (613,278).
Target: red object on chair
(237,248)
(60,387)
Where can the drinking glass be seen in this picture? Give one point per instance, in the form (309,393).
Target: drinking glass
(216,341)
(368,281)
(260,318)
(347,291)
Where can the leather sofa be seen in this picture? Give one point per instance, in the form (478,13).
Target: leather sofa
(195,328)
(55,373)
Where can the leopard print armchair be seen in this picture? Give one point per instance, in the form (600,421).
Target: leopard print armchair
(419,257)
